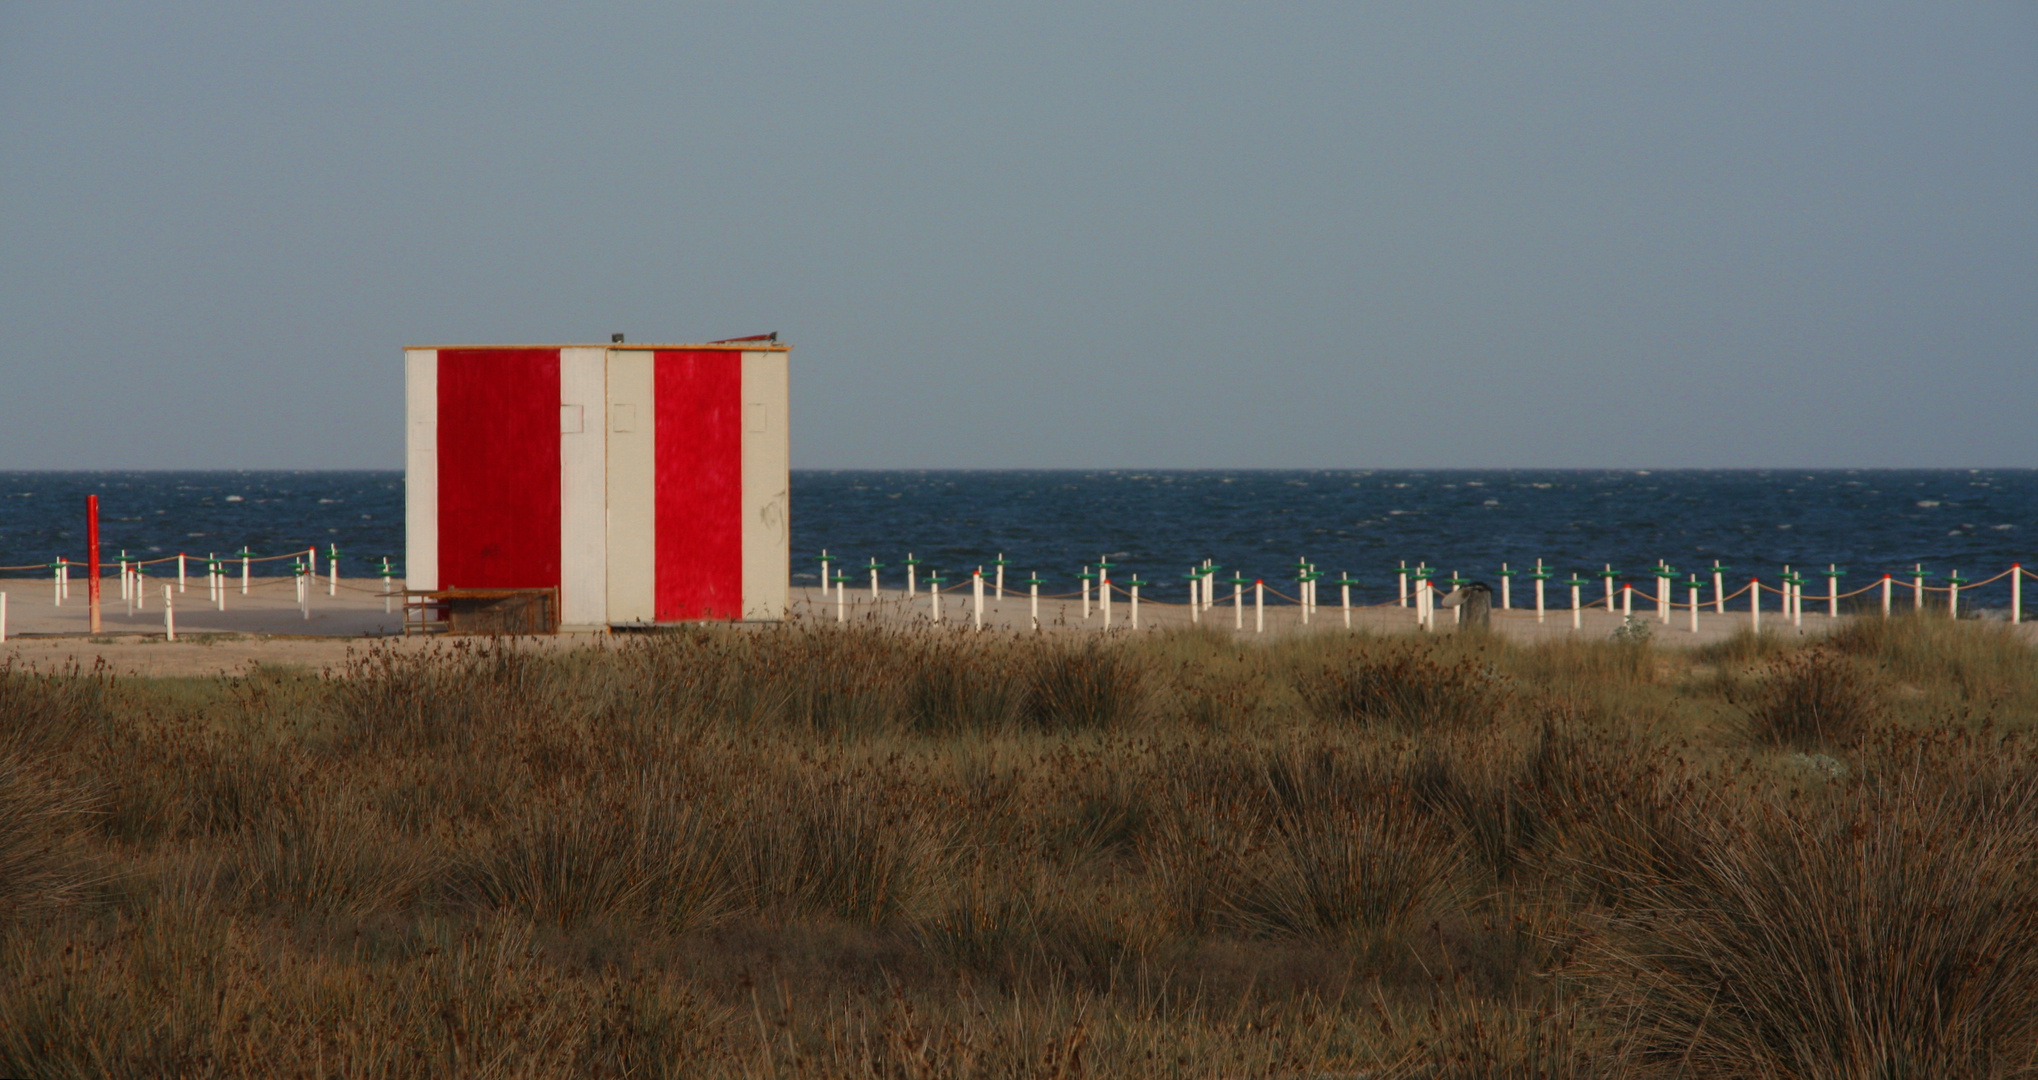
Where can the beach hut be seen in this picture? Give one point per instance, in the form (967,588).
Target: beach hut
(641,484)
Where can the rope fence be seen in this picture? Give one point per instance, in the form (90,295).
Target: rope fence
(1418,588)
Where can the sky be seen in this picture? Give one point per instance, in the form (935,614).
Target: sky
(1094,235)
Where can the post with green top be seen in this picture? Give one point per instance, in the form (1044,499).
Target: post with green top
(218,569)
(1793,584)
(387,600)
(912,585)
(1034,583)
(1719,587)
(333,577)
(1344,587)
(1458,610)
(1665,585)
(1506,590)
(1315,576)
(1953,583)
(1577,597)
(1609,574)
(1086,577)
(1132,587)
(297,571)
(1540,575)
(1917,586)
(934,594)
(841,582)
(1237,584)
(246,557)
(1403,575)
(1691,591)
(1210,569)
(875,566)
(1195,580)
(1833,574)
(1001,564)
(1302,588)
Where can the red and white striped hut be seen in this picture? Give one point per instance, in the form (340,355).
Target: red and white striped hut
(647,483)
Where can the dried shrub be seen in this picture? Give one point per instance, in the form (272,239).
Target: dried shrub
(1889,932)
(1817,698)
(1408,690)
(1085,688)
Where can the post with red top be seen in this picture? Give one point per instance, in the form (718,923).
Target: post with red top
(92,557)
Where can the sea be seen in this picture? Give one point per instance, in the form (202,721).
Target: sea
(1360,523)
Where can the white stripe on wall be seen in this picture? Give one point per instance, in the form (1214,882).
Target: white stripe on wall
(421,469)
(632,488)
(583,495)
(767,525)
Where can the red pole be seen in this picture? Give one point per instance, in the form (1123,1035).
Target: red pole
(92,556)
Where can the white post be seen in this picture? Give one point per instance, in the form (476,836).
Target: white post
(1719,589)
(169,615)
(934,598)
(1832,592)
(2016,593)
(1346,595)
(180,571)
(333,577)
(1917,587)
(57,583)
(3,616)
(1237,604)
(1663,600)
(1608,578)
(1195,597)
(219,593)
(1404,583)
(1577,611)
(141,588)
(1755,605)
(1694,605)
(1104,590)
(1035,586)
(304,590)
(1001,575)
(841,598)
(387,588)
(244,572)
(1506,596)
(1627,602)
(1885,595)
(1135,601)
(912,588)
(1953,594)
(311,565)
(1086,593)
(1539,590)
(873,577)
(1259,605)
(1796,605)
(976,616)
(824,575)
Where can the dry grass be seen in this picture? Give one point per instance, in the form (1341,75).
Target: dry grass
(810,853)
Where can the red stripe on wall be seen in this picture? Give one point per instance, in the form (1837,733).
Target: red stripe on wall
(498,468)
(700,484)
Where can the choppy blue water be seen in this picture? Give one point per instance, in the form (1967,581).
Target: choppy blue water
(1157,523)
